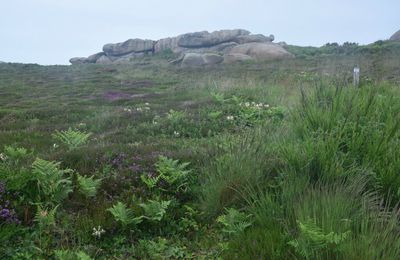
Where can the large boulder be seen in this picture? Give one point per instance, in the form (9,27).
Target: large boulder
(206,39)
(78,60)
(127,57)
(236,57)
(132,45)
(396,36)
(93,58)
(198,59)
(104,60)
(212,58)
(223,47)
(254,38)
(170,43)
(219,48)
(262,51)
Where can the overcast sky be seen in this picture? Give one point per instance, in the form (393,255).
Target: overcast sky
(52,31)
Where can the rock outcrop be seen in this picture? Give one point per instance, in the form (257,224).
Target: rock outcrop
(166,44)
(396,36)
(104,60)
(195,49)
(201,59)
(78,60)
(129,46)
(262,51)
(236,57)
(254,38)
(206,39)
(95,57)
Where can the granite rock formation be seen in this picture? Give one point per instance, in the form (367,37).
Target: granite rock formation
(395,36)
(194,49)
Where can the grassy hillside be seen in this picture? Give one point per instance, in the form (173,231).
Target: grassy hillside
(282,160)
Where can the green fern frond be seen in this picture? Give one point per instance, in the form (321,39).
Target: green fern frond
(124,215)
(312,239)
(53,185)
(88,185)
(234,221)
(172,171)
(72,138)
(150,182)
(155,210)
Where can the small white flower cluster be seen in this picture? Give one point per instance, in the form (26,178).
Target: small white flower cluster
(177,134)
(82,125)
(138,109)
(156,119)
(254,104)
(146,107)
(55,146)
(98,232)
(230,118)
(3,157)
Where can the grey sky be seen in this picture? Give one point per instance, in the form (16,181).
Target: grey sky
(52,31)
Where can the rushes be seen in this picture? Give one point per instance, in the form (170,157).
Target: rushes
(351,128)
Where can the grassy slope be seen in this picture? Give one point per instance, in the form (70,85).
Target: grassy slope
(229,159)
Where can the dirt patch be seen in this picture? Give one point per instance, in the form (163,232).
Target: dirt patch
(189,104)
(137,83)
(116,95)
(109,70)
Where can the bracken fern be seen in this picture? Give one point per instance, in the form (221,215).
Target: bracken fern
(72,138)
(54,186)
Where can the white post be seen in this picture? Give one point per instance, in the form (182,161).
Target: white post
(356,76)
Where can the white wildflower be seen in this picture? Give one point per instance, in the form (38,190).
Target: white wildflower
(3,157)
(156,119)
(176,134)
(266,105)
(55,146)
(230,118)
(82,124)
(146,104)
(139,109)
(247,104)
(147,108)
(98,232)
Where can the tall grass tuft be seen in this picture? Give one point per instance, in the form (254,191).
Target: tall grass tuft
(342,128)
(238,164)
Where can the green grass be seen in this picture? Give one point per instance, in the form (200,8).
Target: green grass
(305,163)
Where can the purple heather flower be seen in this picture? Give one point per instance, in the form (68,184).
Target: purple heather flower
(5,213)
(9,216)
